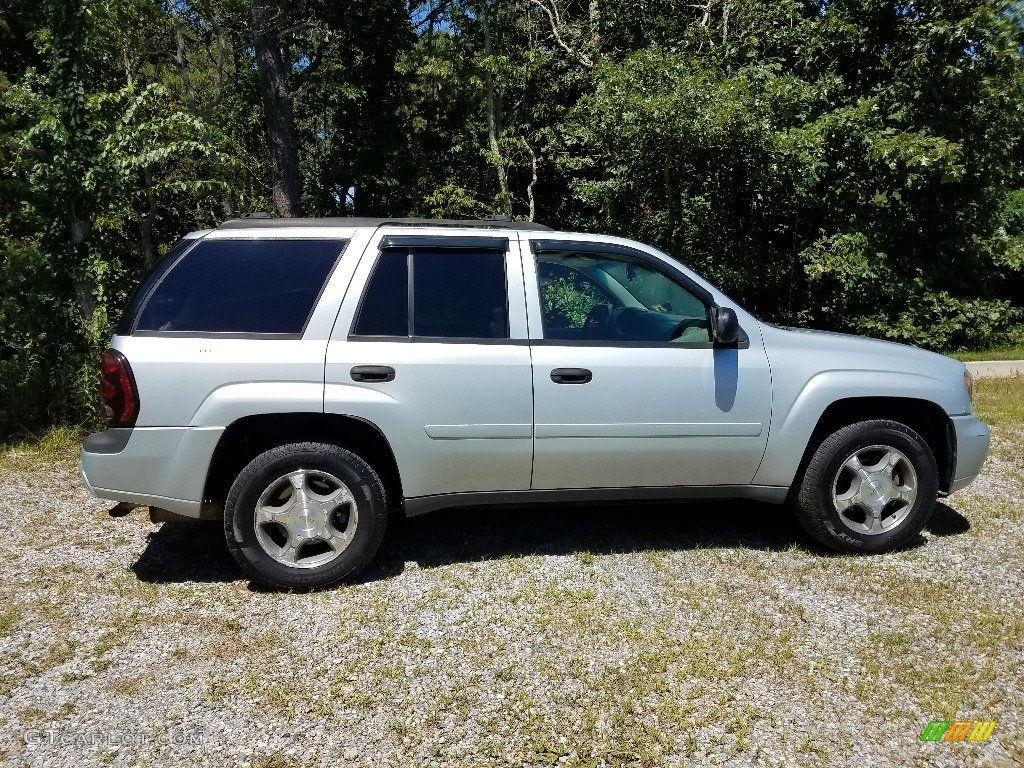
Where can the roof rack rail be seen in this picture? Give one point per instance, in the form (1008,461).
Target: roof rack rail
(261,220)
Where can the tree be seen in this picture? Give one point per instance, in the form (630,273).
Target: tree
(266,19)
(851,164)
(76,163)
(843,166)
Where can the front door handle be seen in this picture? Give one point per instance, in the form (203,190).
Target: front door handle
(373,373)
(571,376)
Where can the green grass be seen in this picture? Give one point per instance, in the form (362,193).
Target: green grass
(34,451)
(998,401)
(9,620)
(1011,352)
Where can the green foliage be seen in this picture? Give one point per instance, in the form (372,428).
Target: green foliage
(350,107)
(937,320)
(854,165)
(568,300)
(450,201)
(852,169)
(85,165)
(47,367)
(1008,243)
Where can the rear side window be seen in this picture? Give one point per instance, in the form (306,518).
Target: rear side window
(241,286)
(124,327)
(460,295)
(456,294)
(385,307)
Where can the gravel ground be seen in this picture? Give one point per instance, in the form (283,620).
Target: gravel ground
(646,636)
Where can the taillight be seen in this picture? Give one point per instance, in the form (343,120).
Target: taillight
(118,393)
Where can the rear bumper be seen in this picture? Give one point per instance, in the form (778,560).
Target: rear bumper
(972,439)
(162,467)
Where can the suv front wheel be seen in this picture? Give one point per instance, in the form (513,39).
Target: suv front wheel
(869,488)
(305,516)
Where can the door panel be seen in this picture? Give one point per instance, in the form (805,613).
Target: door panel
(457,411)
(650,417)
(662,405)
(458,416)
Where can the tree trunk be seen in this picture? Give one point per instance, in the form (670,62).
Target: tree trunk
(277,106)
(494,111)
(533,179)
(147,219)
(85,289)
(595,29)
(671,195)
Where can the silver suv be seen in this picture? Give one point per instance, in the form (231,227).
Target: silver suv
(303,378)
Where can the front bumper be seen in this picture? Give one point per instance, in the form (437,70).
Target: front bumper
(972,439)
(163,467)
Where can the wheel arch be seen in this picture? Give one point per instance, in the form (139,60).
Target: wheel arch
(249,436)
(926,418)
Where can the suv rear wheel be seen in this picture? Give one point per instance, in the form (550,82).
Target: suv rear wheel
(870,487)
(305,516)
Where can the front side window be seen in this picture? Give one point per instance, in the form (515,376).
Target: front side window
(613,297)
(241,286)
(456,294)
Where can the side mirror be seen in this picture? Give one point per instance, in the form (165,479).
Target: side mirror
(724,326)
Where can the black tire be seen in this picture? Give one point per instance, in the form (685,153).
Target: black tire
(315,488)
(833,481)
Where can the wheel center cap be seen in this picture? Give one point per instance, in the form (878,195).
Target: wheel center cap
(876,487)
(308,519)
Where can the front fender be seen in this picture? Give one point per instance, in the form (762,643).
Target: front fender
(796,416)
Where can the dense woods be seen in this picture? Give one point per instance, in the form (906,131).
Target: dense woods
(847,164)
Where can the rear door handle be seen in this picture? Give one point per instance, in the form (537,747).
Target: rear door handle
(374,373)
(571,376)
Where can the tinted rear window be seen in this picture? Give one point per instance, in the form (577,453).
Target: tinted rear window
(456,294)
(124,326)
(241,286)
(460,294)
(385,307)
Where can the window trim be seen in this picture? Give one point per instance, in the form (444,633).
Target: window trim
(266,336)
(440,340)
(633,344)
(342,242)
(444,243)
(410,293)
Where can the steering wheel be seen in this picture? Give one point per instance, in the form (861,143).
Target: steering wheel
(628,323)
(693,322)
(597,319)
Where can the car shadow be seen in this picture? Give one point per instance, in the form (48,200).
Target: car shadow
(946,521)
(187,552)
(469,535)
(196,552)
